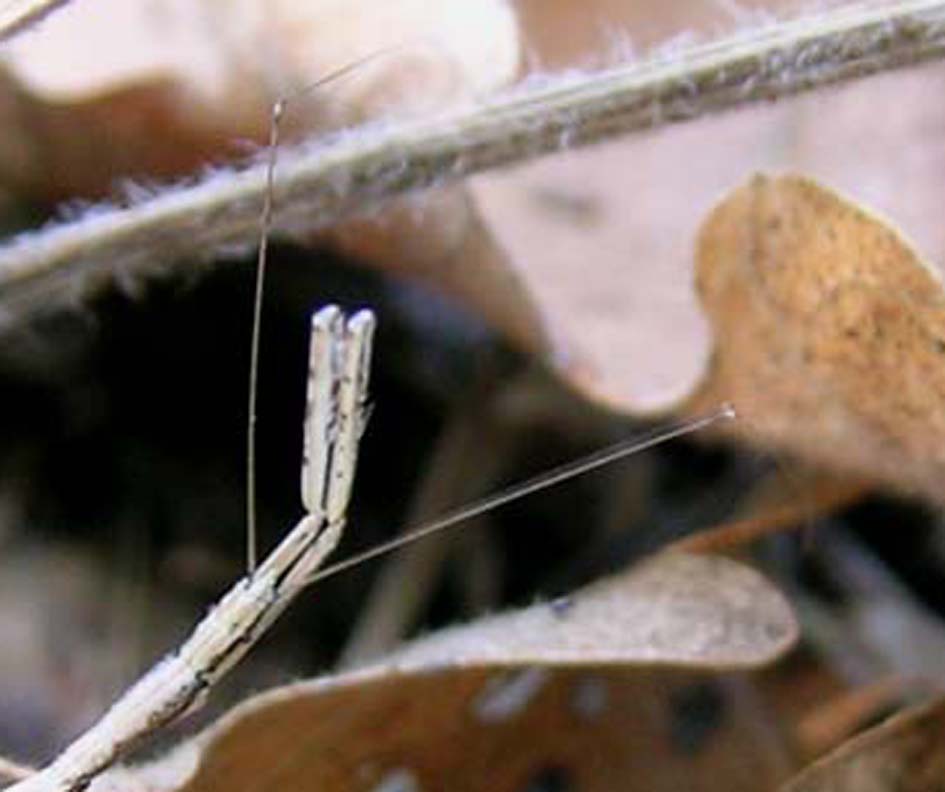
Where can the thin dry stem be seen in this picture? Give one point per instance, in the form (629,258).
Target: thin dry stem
(357,171)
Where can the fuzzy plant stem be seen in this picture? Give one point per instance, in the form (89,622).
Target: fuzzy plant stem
(357,171)
(18,17)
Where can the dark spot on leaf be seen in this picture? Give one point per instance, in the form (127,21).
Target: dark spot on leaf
(561,606)
(697,712)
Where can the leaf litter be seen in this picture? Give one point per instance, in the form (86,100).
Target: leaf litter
(790,420)
(673,610)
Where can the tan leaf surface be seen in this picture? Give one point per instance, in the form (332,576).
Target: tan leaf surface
(903,754)
(676,609)
(476,729)
(830,332)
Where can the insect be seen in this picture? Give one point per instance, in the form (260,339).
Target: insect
(340,353)
(336,415)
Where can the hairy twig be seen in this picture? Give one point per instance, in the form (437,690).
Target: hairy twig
(16,16)
(11,771)
(357,171)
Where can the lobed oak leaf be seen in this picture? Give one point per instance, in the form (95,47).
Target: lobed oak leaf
(829,332)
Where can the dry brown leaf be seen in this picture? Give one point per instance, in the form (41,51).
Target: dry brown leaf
(830,332)
(451,710)
(676,609)
(596,730)
(904,754)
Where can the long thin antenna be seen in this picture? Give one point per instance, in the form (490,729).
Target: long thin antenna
(542,481)
(265,222)
(265,227)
